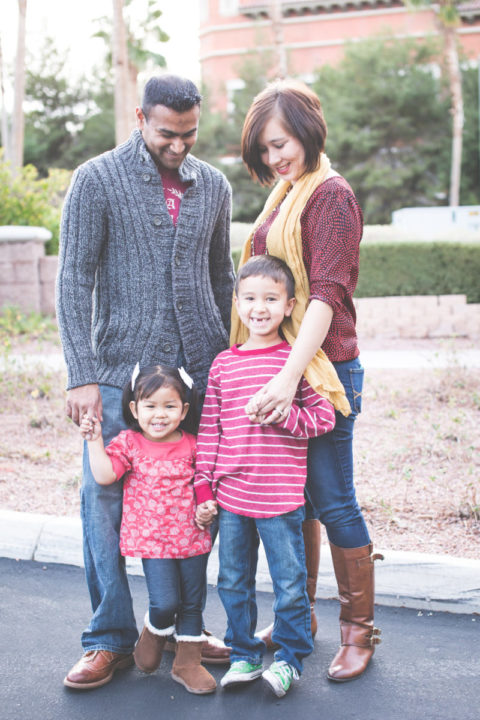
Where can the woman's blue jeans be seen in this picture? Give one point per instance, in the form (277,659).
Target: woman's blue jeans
(330,491)
(176,591)
(283,542)
(112,626)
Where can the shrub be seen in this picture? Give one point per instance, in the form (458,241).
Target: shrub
(26,199)
(421,268)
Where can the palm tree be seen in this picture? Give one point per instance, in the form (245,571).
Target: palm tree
(123,122)
(129,56)
(19,94)
(448,19)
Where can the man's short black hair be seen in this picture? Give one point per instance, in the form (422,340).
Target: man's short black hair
(172,91)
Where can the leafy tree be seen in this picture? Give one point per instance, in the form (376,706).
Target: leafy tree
(388,124)
(219,138)
(66,124)
(55,110)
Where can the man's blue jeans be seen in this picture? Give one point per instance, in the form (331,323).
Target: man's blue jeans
(330,491)
(112,626)
(283,542)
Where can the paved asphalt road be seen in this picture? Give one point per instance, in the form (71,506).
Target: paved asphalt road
(428,666)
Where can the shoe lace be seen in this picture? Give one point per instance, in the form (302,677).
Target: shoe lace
(241,666)
(285,672)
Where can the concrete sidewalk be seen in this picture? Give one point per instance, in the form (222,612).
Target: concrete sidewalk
(403,579)
(414,359)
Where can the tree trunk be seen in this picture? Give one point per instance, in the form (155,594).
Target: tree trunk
(456,94)
(133,99)
(5,131)
(280,67)
(19,121)
(120,68)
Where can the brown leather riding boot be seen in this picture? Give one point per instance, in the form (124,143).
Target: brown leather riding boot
(311,537)
(355,578)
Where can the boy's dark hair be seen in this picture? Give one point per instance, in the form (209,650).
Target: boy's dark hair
(148,381)
(172,91)
(267,266)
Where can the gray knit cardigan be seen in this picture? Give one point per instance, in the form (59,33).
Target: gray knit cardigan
(131,286)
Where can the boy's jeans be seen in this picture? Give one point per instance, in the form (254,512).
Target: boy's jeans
(112,626)
(283,542)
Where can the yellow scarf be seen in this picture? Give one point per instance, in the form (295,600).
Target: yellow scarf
(284,240)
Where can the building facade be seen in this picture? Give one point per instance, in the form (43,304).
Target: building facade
(314,33)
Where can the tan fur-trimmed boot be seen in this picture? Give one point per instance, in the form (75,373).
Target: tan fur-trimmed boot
(355,577)
(150,645)
(312,539)
(187,668)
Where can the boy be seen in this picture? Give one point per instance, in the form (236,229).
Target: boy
(256,473)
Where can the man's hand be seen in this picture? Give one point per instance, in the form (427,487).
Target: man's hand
(84,400)
(205,513)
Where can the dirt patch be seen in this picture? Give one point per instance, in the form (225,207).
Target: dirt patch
(417,455)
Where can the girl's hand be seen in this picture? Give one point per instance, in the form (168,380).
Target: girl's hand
(90,428)
(273,402)
(205,514)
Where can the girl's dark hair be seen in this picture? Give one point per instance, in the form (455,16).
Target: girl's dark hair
(298,109)
(267,266)
(148,381)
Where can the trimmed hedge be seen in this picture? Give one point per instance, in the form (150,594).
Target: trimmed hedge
(417,268)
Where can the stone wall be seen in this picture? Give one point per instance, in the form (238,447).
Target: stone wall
(27,275)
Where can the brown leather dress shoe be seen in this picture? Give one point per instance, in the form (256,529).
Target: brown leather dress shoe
(214,651)
(96,668)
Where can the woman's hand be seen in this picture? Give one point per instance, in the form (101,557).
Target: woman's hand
(272,403)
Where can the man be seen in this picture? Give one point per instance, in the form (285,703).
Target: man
(145,275)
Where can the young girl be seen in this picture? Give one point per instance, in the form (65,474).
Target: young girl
(156,459)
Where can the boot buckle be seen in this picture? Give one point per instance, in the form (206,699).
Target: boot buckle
(374,637)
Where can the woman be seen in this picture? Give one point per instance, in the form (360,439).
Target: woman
(312,221)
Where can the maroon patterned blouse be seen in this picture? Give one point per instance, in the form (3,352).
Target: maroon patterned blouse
(332,225)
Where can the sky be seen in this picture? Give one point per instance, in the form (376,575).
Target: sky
(71,24)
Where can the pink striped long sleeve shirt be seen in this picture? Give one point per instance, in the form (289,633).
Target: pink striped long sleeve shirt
(251,469)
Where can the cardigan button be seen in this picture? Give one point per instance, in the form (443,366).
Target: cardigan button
(178,260)
(167,347)
(147,177)
(157,220)
(179,305)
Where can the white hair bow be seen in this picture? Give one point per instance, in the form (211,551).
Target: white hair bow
(185,377)
(135,374)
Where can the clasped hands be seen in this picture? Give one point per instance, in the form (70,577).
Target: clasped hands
(205,513)
(272,403)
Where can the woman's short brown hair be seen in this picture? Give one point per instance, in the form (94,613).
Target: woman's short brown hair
(299,110)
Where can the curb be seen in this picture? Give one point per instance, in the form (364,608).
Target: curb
(439,583)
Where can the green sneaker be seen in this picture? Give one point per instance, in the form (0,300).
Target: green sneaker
(279,677)
(241,672)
